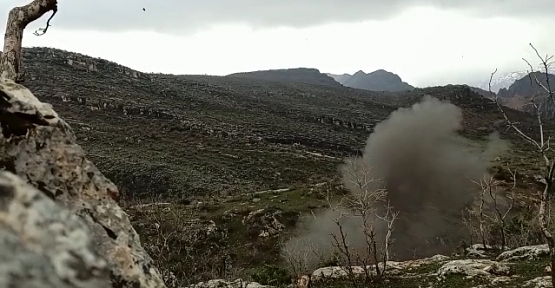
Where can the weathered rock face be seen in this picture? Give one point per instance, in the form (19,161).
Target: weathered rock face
(39,147)
(43,244)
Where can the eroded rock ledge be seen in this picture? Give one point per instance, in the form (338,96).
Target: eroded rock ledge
(39,147)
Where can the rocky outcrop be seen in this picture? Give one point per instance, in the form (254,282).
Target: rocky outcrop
(264,222)
(474,267)
(89,238)
(80,62)
(524,253)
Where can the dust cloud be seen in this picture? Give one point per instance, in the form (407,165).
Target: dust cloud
(426,168)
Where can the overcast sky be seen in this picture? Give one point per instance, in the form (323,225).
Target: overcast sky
(426,42)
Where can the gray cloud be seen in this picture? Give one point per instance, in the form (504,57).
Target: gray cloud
(185,16)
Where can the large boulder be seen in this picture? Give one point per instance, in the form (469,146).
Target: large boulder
(40,148)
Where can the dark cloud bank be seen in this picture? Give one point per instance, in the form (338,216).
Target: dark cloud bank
(186,16)
(427,169)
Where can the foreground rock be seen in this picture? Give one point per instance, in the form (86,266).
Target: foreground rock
(38,146)
(43,244)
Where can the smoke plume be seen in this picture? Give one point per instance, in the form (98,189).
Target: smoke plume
(427,169)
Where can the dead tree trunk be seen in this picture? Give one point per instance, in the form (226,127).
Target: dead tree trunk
(18,19)
(544,150)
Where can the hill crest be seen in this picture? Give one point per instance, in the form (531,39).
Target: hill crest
(296,75)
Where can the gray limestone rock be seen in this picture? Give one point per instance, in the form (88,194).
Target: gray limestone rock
(40,147)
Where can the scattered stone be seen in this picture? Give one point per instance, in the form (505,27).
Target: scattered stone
(230,214)
(501,280)
(142,206)
(473,267)
(392,267)
(412,264)
(303,281)
(525,252)
(477,251)
(220,283)
(539,282)
(335,272)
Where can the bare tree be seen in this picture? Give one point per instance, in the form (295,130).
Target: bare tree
(501,216)
(543,150)
(490,188)
(367,206)
(18,19)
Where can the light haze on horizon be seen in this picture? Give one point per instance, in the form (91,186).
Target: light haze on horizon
(426,42)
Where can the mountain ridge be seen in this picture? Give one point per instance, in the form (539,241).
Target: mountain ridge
(378,80)
(300,75)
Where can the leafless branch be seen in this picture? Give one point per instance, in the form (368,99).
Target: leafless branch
(42,31)
(542,147)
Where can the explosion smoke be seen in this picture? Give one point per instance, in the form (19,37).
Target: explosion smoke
(427,169)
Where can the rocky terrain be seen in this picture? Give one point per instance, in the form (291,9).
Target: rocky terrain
(525,266)
(217,171)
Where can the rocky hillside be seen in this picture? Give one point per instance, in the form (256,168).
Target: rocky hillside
(527,87)
(295,75)
(504,81)
(214,171)
(379,80)
(482,92)
(522,91)
(180,136)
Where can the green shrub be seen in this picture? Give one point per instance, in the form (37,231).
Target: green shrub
(271,275)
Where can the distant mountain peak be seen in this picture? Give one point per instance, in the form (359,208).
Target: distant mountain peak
(378,80)
(501,81)
(359,73)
